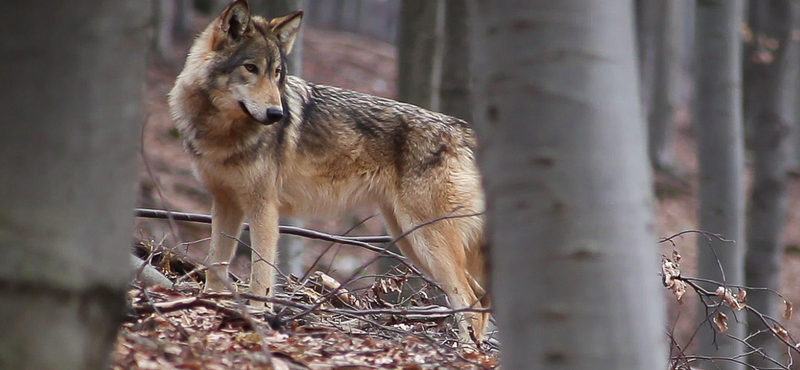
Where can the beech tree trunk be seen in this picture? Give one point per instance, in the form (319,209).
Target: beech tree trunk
(767,199)
(163,42)
(419,52)
(648,27)
(569,199)
(794,160)
(456,87)
(793,153)
(170,26)
(661,120)
(70,96)
(720,147)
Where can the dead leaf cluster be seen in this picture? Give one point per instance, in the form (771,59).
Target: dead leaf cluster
(671,274)
(736,301)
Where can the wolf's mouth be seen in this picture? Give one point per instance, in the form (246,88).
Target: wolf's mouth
(247,112)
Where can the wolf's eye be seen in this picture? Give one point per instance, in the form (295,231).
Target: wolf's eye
(277,71)
(251,68)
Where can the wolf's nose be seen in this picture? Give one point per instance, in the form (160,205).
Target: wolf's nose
(274,114)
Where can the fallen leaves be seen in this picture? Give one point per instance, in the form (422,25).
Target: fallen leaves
(221,337)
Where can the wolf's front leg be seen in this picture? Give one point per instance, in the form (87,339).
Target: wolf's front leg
(264,238)
(226,224)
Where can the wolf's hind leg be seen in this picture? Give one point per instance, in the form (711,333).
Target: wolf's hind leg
(439,251)
(404,244)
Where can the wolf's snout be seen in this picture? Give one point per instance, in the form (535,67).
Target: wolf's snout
(274,114)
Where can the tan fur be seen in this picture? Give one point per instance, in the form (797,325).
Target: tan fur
(332,150)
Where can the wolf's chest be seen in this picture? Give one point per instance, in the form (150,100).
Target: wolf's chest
(314,195)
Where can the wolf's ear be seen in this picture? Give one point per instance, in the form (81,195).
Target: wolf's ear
(286,28)
(235,19)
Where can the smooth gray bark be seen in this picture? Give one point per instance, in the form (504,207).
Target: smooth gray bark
(419,52)
(569,199)
(794,161)
(720,147)
(767,198)
(169,17)
(456,87)
(666,85)
(165,12)
(71,80)
(794,108)
(648,27)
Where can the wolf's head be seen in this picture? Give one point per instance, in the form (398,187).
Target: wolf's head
(241,61)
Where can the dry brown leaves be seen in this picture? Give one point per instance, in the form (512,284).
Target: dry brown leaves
(736,301)
(721,322)
(220,338)
(671,273)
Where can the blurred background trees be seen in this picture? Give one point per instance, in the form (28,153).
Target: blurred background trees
(770,82)
(419,52)
(717,121)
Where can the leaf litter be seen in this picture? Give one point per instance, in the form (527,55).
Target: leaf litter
(409,334)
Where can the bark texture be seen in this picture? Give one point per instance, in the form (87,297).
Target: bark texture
(70,92)
(767,198)
(568,188)
(648,27)
(667,83)
(720,148)
(419,49)
(456,88)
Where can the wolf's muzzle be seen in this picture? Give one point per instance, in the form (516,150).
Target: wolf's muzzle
(274,114)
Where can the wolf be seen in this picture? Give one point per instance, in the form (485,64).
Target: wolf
(266,144)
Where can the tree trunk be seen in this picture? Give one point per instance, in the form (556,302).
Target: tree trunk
(456,88)
(793,146)
(568,188)
(665,89)
(70,92)
(181,27)
(648,26)
(419,49)
(720,148)
(767,199)
(165,14)
(794,160)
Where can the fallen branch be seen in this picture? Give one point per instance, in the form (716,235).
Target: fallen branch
(187,303)
(148,274)
(290,230)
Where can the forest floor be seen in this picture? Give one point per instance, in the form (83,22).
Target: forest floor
(173,338)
